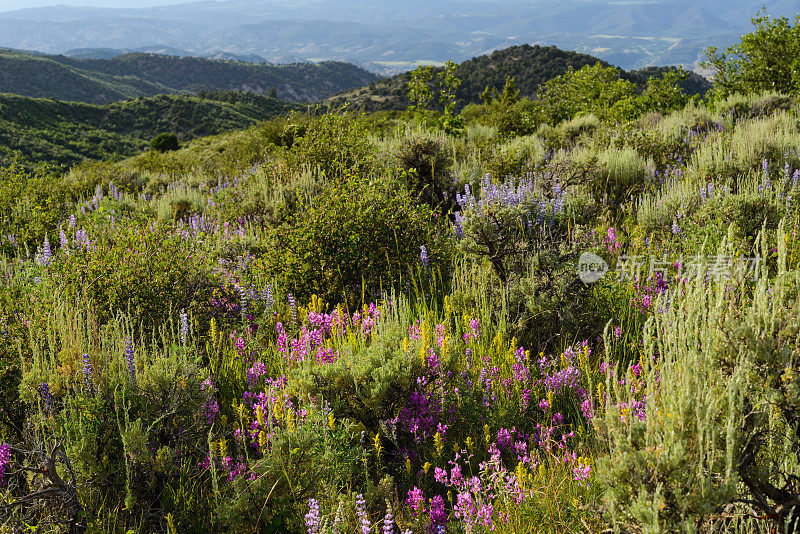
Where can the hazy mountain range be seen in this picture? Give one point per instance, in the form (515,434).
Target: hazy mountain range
(390,36)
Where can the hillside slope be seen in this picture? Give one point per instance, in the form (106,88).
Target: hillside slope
(64,133)
(138,74)
(530,65)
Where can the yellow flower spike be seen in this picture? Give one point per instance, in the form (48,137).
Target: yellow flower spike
(470,444)
(331,421)
(376,443)
(260,415)
(550,398)
(487,436)
(405,345)
(223,448)
(521,475)
(426,467)
(542,471)
(438,443)
(408,467)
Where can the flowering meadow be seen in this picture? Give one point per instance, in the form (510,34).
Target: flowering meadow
(374,326)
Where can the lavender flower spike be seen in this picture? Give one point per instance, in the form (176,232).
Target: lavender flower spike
(129,358)
(312,517)
(87,374)
(423,255)
(184,326)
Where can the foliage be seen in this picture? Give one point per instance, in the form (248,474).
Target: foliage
(764,60)
(356,239)
(164,142)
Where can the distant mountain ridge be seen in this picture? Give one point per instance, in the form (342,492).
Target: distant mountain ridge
(397,36)
(133,75)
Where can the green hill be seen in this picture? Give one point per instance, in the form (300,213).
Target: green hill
(137,74)
(530,65)
(63,133)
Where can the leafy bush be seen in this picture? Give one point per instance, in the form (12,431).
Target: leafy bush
(165,142)
(426,163)
(357,239)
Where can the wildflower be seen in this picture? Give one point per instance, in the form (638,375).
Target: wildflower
(129,358)
(44,390)
(388,519)
(47,253)
(415,500)
(361,512)
(581,472)
(184,326)
(293,306)
(268,298)
(437,513)
(87,374)
(312,517)
(675,228)
(62,237)
(5,461)
(423,255)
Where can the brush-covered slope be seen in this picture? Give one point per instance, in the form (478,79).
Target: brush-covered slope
(530,65)
(137,74)
(63,133)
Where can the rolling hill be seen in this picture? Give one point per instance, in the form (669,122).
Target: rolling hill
(531,66)
(36,130)
(133,75)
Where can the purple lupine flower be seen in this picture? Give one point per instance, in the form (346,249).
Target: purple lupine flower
(63,239)
(361,512)
(675,228)
(87,374)
(388,519)
(268,298)
(47,253)
(5,461)
(423,255)
(795,177)
(312,517)
(72,221)
(293,306)
(129,358)
(184,326)
(244,300)
(44,390)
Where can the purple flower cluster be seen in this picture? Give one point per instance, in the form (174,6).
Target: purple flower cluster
(130,359)
(87,375)
(361,513)
(5,461)
(210,408)
(312,517)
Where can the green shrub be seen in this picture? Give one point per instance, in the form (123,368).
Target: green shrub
(357,239)
(618,177)
(515,157)
(572,129)
(426,162)
(165,142)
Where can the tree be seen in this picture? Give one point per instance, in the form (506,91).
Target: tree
(592,89)
(767,59)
